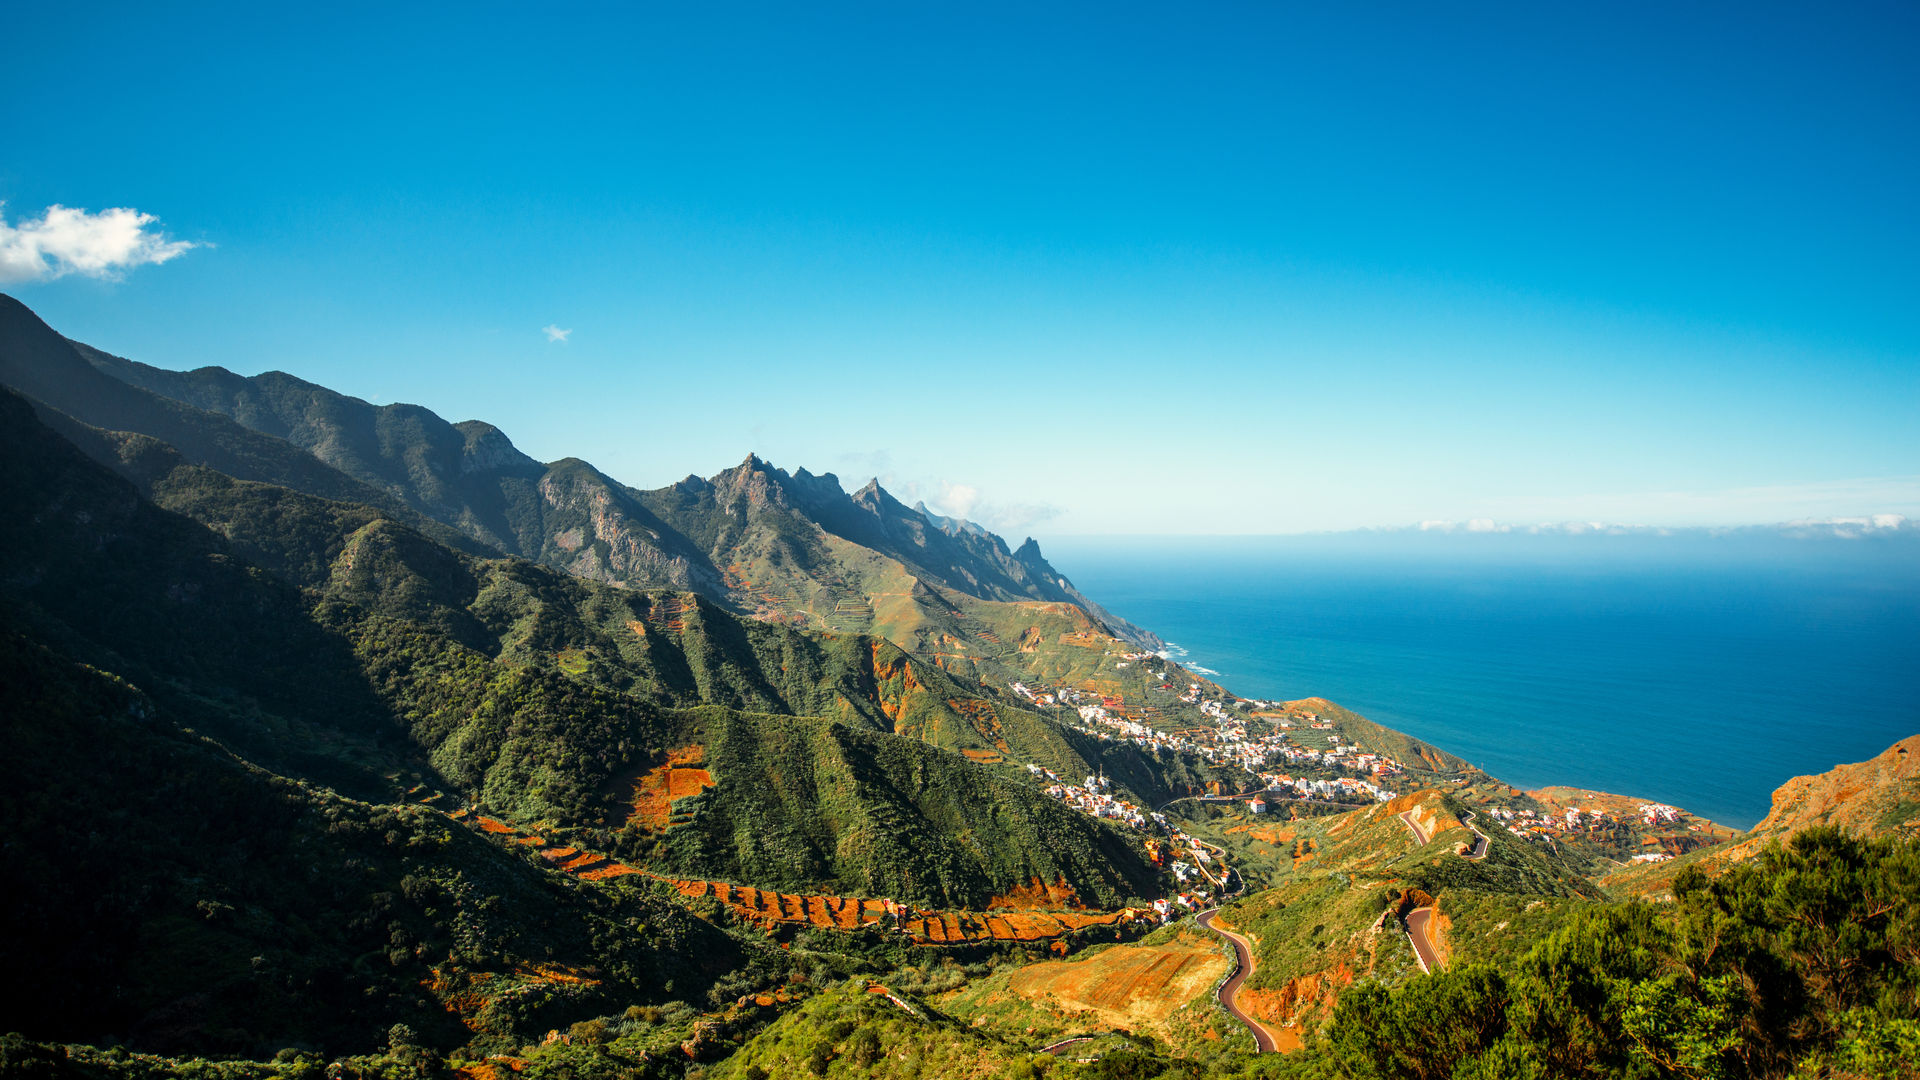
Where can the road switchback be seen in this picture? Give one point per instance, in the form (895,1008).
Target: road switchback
(1230,990)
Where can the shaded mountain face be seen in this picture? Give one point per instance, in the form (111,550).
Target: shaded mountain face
(54,373)
(748,533)
(521,687)
(308,614)
(468,476)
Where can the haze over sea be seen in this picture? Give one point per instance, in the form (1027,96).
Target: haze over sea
(1694,670)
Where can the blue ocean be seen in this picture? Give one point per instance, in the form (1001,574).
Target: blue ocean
(1699,671)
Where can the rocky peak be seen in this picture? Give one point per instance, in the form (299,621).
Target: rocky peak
(817,493)
(488,449)
(753,480)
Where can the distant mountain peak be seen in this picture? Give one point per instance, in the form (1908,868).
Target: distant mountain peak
(802,474)
(470,480)
(952,526)
(489,450)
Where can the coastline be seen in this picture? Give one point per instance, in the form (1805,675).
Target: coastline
(1602,681)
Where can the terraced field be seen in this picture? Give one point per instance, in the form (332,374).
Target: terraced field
(771,909)
(1135,988)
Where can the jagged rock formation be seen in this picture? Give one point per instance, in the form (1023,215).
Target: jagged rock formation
(798,537)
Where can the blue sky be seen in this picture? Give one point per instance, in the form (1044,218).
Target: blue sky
(1111,269)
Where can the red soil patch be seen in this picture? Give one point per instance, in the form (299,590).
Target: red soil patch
(611,870)
(928,927)
(1129,984)
(1437,928)
(1038,894)
(1008,921)
(583,864)
(459,994)
(557,973)
(655,790)
(980,715)
(1298,996)
(892,704)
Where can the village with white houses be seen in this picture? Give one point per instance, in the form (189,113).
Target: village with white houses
(1344,774)
(1347,773)
(1575,822)
(1188,858)
(1295,757)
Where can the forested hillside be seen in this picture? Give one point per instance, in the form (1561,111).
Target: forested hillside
(750,526)
(209,693)
(349,742)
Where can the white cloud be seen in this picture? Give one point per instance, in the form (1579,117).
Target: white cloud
(64,240)
(956,500)
(1821,500)
(860,464)
(964,501)
(554,333)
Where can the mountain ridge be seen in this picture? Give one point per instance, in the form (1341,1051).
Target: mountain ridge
(469,477)
(751,684)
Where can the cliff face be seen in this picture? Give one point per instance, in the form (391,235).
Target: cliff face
(1870,797)
(592,527)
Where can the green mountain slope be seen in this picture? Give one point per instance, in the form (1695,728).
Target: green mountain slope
(520,688)
(669,648)
(319,710)
(566,514)
(172,894)
(818,806)
(52,371)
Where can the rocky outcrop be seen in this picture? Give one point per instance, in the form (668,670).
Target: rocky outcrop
(1866,798)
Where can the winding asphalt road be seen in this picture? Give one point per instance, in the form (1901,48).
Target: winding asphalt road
(1406,818)
(1230,989)
(1419,927)
(1420,920)
(1479,849)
